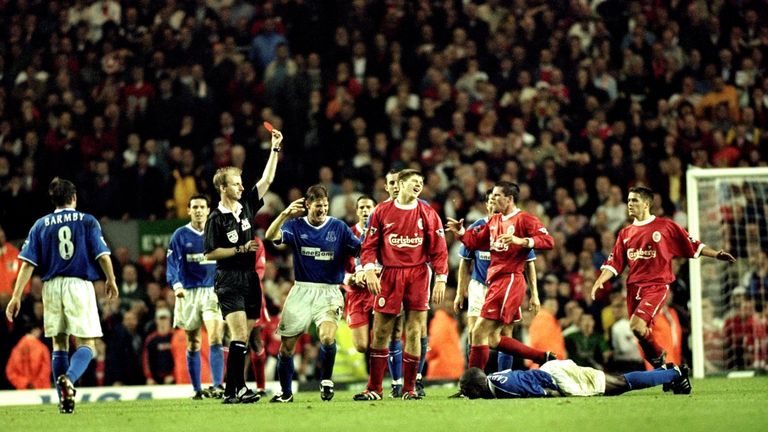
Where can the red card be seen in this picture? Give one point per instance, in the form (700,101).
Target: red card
(268,126)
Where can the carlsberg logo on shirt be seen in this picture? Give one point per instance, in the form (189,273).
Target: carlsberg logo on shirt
(636,254)
(399,241)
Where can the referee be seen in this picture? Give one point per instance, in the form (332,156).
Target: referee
(229,240)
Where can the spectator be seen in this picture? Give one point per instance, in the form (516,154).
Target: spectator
(585,347)
(157,358)
(29,366)
(545,331)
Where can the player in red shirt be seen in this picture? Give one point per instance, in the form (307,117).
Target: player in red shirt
(403,235)
(647,247)
(258,351)
(359,302)
(510,235)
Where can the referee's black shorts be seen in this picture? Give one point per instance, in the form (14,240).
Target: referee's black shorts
(238,291)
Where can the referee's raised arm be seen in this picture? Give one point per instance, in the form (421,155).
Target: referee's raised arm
(262,186)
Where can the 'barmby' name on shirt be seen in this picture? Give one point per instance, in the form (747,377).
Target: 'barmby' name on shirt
(64,217)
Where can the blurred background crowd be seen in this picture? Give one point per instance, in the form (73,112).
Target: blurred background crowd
(139,102)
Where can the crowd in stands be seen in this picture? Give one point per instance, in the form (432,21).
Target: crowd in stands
(139,102)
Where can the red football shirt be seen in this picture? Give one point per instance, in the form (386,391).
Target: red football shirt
(405,236)
(507,259)
(648,248)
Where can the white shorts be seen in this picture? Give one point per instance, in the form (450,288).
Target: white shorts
(307,303)
(197,306)
(574,380)
(69,307)
(475,297)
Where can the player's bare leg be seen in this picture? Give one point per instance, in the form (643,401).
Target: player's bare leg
(327,334)
(414,322)
(382,331)
(215,330)
(360,338)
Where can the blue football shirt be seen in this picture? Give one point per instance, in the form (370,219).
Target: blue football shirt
(186,265)
(65,243)
(520,383)
(319,253)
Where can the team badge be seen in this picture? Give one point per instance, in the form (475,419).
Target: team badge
(382,301)
(232,236)
(245,224)
(511,229)
(656,236)
(330,237)
(420,224)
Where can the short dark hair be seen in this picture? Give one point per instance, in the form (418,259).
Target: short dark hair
(364,197)
(646,193)
(473,383)
(199,196)
(61,191)
(509,189)
(315,192)
(408,173)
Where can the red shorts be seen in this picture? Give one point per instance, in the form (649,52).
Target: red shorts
(264,317)
(359,304)
(645,301)
(403,288)
(503,299)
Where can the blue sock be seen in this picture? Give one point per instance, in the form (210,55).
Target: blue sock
(285,373)
(59,364)
(395,360)
(641,380)
(504,361)
(193,367)
(327,360)
(79,362)
(217,364)
(423,358)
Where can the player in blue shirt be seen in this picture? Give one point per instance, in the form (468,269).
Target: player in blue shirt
(322,248)
(474,287)
(565,378)
(191,278)
(65,246)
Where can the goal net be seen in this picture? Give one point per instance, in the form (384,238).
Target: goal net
(727,209)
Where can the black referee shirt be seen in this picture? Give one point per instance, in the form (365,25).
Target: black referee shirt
(225,229)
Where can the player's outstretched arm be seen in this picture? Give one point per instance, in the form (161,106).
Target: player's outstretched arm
(720,255)
(603,278)
(455,226)
(262,186)
(14,304)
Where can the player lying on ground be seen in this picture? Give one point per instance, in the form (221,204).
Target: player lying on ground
(565,378)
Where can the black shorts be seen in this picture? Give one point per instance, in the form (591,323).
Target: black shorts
(238,291)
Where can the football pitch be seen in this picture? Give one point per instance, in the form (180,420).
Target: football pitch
(717,404)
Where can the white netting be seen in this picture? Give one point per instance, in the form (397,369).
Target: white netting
(731,215)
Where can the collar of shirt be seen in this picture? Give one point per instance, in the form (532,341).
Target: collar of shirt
(236,213)
(514,212)
(645,222)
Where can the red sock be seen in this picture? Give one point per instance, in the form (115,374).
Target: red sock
(410,369)
(514,347)
(478,356)
(257,365)
(378,365)
(651,348)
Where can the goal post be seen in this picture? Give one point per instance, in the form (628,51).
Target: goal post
(718,199)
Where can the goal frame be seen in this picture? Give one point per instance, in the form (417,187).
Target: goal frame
(692,176)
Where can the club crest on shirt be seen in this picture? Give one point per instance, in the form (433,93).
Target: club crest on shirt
(511,229)
(656,236)
(232,236)
(330,237)
(382,301)
(420,224)
(245,224)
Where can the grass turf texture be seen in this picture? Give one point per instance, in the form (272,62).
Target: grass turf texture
(717,404)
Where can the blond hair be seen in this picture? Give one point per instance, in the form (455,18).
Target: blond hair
(223,174)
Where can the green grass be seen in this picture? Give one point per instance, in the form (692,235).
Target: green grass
(717,404)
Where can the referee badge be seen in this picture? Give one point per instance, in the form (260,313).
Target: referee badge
(232,236)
